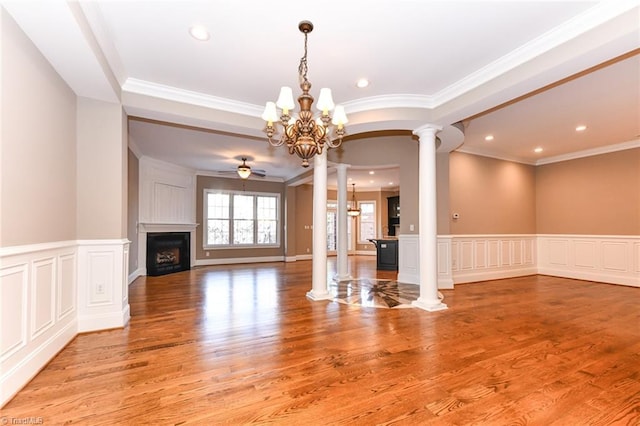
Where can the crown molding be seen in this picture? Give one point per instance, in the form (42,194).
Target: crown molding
(147,88)
(590,152)
(474,151)
(569,30)
(558,158)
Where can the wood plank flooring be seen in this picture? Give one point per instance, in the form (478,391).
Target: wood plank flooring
(241,344)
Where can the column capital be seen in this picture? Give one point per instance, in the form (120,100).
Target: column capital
(427,130)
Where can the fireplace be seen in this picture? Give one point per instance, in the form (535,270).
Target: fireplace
(168,252)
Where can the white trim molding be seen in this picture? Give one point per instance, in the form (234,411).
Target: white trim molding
(609,259)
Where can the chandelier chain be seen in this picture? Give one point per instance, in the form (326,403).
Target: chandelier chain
(303,67)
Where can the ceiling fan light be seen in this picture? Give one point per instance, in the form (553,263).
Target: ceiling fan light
(244,172)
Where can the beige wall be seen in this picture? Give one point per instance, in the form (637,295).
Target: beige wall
(399,149)
(290,221)
(304,219)
(597,195)
(443,194)
(37,145)
(101,170)
(133,202)
(251,185)
(492,196)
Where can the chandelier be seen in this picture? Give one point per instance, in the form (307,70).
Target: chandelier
(353,209)
(304,135)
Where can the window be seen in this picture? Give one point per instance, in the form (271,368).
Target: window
(367,220)
(241,219)
(332,227)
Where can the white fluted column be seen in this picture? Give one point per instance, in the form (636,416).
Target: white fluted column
(342,273)
(319,285)
(427,220)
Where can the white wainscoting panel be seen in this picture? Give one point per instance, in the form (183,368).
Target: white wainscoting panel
(409,260)
(43,302)
(605,258)
(102,275)
(488,257)
(38,305)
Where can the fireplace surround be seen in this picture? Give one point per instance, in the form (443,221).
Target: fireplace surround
(168,252)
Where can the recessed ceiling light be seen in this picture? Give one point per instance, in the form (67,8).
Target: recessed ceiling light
(390,183)
(581,128)
(538,149)
(350,178)
(488,138)
(199,33)
(370,181)
(362,83)
(371,172)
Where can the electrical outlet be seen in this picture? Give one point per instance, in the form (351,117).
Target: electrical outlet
(308,250)
(100,288)
(206,253)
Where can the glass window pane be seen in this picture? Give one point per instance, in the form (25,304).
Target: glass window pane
(217,206)
(267,208)
(217,231)
(242,207)
(367,221)
(267,232)
(332,230)
(242,231)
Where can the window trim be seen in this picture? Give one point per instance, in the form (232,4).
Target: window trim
(231,246)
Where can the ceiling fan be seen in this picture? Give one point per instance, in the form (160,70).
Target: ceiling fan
(244,170)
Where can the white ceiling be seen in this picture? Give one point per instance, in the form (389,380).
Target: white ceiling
(197,104)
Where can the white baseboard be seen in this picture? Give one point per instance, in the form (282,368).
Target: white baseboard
(474,276)
(103,321)
(140,272)
(591,276)
(20,374)
(290,258)
(237,260)
(304,257)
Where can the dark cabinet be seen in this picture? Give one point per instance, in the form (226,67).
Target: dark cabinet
(387,254)
(393,205)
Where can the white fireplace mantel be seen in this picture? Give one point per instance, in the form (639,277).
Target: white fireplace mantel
(166,227)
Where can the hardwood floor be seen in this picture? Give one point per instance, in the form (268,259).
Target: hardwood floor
(241,344)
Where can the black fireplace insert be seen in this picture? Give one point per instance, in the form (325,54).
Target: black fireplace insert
(168,252)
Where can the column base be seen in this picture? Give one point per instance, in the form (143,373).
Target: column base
(345,277)
(429,305)
(319,296)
